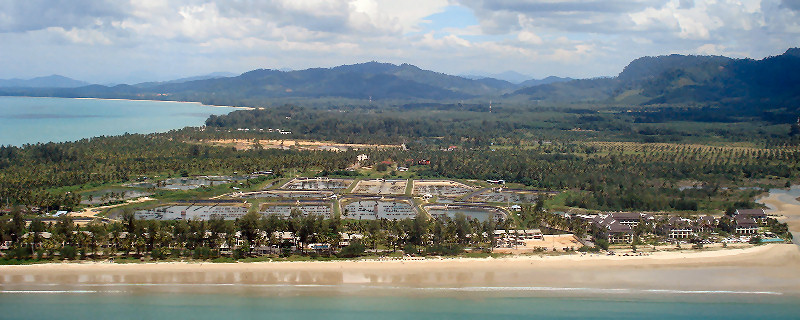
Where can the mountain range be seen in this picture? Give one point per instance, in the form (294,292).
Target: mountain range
(772,83)
(53,81)
(769,84)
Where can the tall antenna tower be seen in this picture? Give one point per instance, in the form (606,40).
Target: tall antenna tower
(490,106)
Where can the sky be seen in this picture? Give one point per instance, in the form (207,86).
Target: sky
(119,41)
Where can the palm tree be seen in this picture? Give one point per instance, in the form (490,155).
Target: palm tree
(98,235)
(36,227)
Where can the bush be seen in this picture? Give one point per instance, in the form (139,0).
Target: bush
(239,253)
(159,254)
(19,253)
(204,253)
(355,249)
(602,244)
(444,250)
(755,240)
(68,252)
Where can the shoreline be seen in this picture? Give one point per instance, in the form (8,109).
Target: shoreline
(784,208)
(762,269)
(119,99)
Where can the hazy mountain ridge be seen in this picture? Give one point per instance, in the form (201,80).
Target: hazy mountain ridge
(213,75)
(772,82)
(749,86)
(52,81)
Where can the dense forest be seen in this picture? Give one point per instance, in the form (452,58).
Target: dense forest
(598,175)
(475,125)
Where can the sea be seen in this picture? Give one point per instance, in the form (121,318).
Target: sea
(34,120)
(27,120)
(302,303)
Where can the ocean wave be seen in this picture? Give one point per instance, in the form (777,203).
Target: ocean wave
(498,289)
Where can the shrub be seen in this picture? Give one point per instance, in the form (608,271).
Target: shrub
(19,253)
(353,250)
(204,253)
(68,252)
(444,249)
(159,254)
(602,244)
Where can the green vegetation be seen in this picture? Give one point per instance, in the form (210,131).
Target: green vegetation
(670,134)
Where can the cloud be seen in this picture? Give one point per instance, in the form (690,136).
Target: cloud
(162,39)
(30,15)
(792,4)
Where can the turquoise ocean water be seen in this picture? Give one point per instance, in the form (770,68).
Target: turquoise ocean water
(31,120)
(291,305)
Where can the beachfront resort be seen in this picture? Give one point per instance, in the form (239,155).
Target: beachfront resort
(322,215)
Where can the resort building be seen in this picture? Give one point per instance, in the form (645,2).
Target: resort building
(612,230)
(757,214)
(631,219)
(745,224)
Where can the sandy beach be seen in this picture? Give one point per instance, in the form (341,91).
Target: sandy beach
(783,207)
(767,269)
(191,102)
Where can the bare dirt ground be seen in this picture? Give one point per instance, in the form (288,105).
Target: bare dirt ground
(549,242)
(242,144)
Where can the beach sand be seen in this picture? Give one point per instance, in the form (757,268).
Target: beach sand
(788,212)
(763,269)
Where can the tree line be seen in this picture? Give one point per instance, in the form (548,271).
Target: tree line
(257,234)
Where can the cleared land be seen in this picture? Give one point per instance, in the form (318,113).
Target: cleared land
(442,188)
(284,209)
(514,196)
(282,194)
(317,184)
(482,213)
(373,209)
(241,144)
(381,187)
(559,242)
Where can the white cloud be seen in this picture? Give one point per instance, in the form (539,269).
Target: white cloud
(170,38)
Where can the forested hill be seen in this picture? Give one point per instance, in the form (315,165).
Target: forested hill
(364,81)
(53,81)
(746,87)
(768,88)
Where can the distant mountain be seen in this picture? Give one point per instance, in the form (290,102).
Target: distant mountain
(213,75)
(650,67)
(548,80)
(510,76)
(571,91)
(365,81)
(767,88)
(53,81)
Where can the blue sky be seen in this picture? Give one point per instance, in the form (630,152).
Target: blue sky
(127,41)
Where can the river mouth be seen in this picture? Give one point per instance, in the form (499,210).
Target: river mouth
(784,204)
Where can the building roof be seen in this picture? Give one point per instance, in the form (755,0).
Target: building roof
(708,219)
(617,227)
(745,221)
(630,216)
(750,212)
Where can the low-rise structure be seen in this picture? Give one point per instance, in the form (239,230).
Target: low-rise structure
(745,224)
(757,214)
